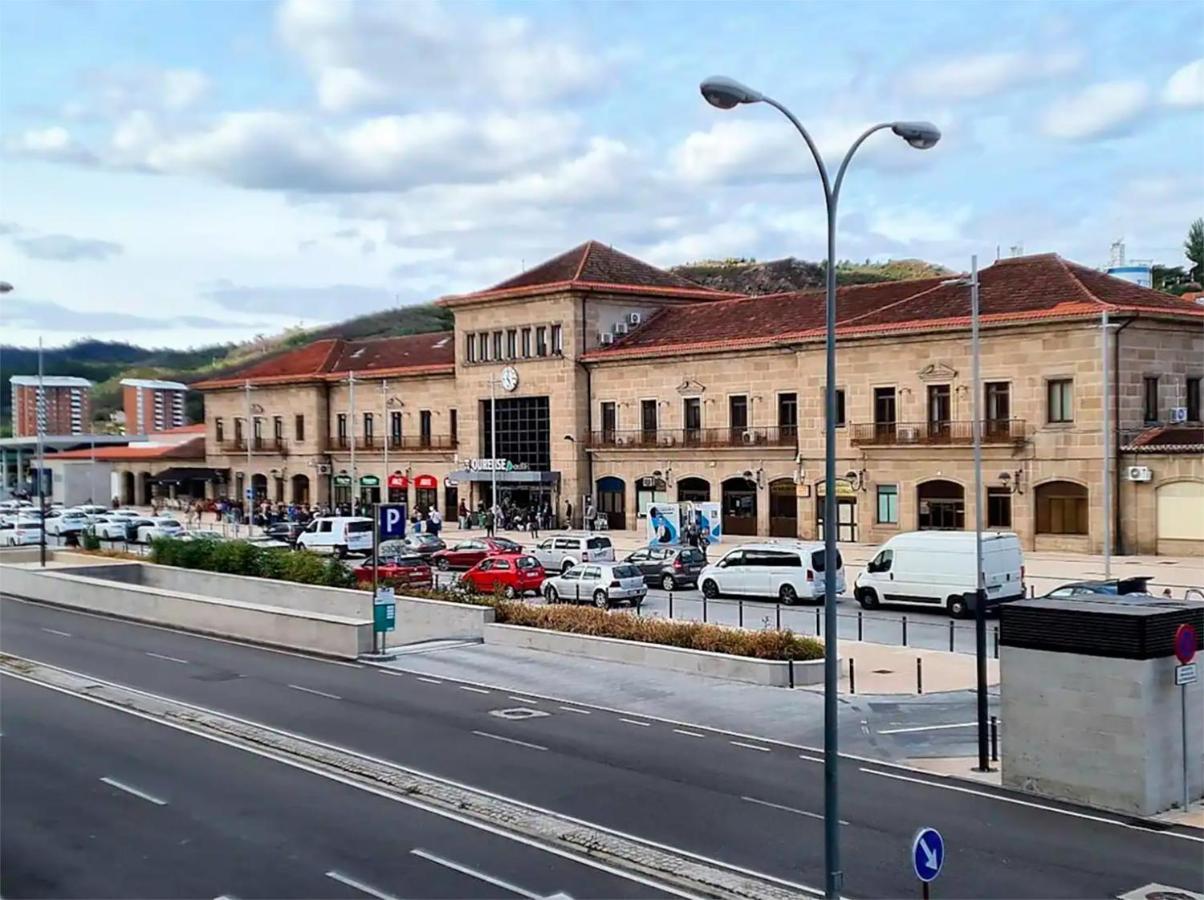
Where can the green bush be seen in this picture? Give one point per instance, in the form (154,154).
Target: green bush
(243,558)
(91,541)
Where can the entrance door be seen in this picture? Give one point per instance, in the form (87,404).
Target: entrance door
(612,502)
(941,505)
(739,506)
(451,502)
(846,518)
(783,508)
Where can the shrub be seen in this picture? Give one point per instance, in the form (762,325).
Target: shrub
(91,541)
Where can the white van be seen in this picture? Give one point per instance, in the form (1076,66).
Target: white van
(936,569)
(788,570)
(337,534)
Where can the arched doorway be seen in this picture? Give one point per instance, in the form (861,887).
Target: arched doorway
(783,508)
(612,501)
(1062,508)
(301,489)
(940,505)
(128,497)
(259,487)
(1178,508)
(739,506)
(693,490)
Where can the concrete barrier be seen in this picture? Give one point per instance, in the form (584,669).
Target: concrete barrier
(322,633)
(419,619)
(775,673)
(290,595)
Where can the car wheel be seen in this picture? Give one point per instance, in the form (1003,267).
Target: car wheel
(340,551)
(868,598)
(601,600)
(958,608)
(509,592)
(565,566)
(667,583)
(788,595)
(551,595)
(710,590)
(442,564)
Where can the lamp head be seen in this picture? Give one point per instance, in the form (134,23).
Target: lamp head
(725,93)
(921,135)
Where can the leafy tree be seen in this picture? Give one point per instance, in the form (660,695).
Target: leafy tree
(1193,249)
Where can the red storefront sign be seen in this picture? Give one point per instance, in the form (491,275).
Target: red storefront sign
(397,480)
(426,481)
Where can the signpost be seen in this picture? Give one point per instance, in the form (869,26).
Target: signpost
(388,522)
(1185,674)
(927,856)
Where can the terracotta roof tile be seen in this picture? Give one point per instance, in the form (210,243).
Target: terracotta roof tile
(1168,439)
(190,449)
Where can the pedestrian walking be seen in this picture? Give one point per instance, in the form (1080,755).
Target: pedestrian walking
(489,523)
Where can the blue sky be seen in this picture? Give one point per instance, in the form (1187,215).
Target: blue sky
(214,170)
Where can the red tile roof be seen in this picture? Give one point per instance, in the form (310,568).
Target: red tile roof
(1012,290)
(1168,439)
(190,449)
(596,267)
(332,359)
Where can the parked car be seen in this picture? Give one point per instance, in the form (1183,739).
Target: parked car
(603,584)
(561,552)
(668,567)
(516,574)
(157,527)
(466,554)
(1117,587)
(201,534)
(17,531)
(424,544)
(401,570)
(109,527)
(92,510)
(937,569)
(288,532)
(787,570)
(339,535)
(66,522)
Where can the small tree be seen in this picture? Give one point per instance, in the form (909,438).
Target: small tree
(1193,249)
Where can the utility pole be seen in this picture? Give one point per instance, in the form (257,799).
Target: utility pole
(385,432)
(980,593)
(248,491)
(1106,405)
(40,412)
(354,479)
(493,438)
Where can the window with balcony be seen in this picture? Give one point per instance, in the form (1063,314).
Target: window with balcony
(424,427)
(609,422)
(541,340)
(788,415)
(341,429)
(885,415)
(692,419)
(395,427)
(737,417)
(512,343)
(299,428)
(219,430)
(557,340)
(648,420)
(526,343)
(1193,399)
(369,426)
(1149,399)
(999,508)
(238,428)
(888,504)
(997,404)
(940,412)
(1059,400)
(453,425)
(278,429)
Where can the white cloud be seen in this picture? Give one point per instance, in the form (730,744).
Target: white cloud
(378,53)
(1186,86)
(54,143)
(1100,110)
(982,74)
(65,248)
(107,93)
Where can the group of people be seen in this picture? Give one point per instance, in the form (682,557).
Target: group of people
(506,516)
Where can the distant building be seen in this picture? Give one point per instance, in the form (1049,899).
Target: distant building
(152,406)
(66,407)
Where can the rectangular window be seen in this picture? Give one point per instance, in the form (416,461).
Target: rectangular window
(526,343)
(470,348)
(557,340)
(999,508)
(1193,400)
(541,340)
(238,425)
(737,417)
(511,343)
(1149,399)
(888,504)
(788,415)
(884,415)
(278,428)
(341,425)
(299,428)
(648,420)
(940,411)
(1060,393)
(483,347)
(453,425)
(424,427)
(497,345)
(395,428)
(219,430)
(609,419)
(691,414)
(369,428)
(258,428)
(840,420)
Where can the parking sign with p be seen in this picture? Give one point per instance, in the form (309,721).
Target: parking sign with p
(391,520)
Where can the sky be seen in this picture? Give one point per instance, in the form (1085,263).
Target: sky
(177,173)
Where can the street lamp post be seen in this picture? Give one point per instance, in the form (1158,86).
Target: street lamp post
(725,93)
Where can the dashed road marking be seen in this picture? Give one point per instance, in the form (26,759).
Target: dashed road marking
(56,631)
(688,733)
(174,659)
(789,809)
(475,690)
(121,786)
(749,746)
(474,873)
(572,709)
(297,687)
(637,722)
(359,885)
(498,737)
(430,680)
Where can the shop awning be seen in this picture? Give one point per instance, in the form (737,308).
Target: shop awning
(515,477)
(180,474)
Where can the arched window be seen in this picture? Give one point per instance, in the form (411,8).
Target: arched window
(1061,508)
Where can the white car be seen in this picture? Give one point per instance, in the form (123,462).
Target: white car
(109,527)
(787,570)
(561,552)
(159,527)
(339,535)
(18,531)
(602,584)
(92,510)
(69,520)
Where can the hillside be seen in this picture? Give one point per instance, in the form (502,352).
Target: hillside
(747,276)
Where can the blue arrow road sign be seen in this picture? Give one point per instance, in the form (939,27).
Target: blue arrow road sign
(391,520)
(927,854)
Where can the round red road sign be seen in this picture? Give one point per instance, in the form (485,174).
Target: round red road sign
(1185,643)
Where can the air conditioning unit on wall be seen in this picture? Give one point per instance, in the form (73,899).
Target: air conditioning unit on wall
(324,468)
(1138,473)
(621,328)
(606,338)
(634,319)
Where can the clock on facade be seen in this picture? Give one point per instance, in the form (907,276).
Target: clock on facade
(509,378)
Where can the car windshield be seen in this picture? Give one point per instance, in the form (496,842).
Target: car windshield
(627,572)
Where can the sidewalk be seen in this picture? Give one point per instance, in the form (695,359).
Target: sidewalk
(879,669)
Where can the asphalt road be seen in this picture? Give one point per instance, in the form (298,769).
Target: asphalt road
(743,801)
(100,803)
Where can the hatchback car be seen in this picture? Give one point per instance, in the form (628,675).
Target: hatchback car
(603,584)
(288,532)
(400,570)
(515,574)
(466,554)
(668,567)
(424,544)
(1117,587)
(561,552)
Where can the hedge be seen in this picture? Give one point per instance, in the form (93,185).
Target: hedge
(243,558)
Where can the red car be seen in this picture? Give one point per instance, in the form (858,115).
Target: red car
(514,573)
(411,571)
(466,554)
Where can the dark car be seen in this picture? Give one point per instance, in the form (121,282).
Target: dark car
(466,554)
(424,544)
(408,570)
(1114,588)
(284,531)
(668,567)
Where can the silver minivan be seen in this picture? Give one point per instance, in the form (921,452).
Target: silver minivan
(561,552)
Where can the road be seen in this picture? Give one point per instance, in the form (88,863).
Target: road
(99,803)
(744,801)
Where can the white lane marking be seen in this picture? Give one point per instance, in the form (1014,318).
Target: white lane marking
(637,722)
(749,746)
(359,885)
(789,809)
(580,712)
(1018,802)
(522,699)
(498,737)
(428,680)
(56,631)
(295,763)
(174,659)
(113,782)
(688,733)
(475,690)
(474,873)
(926,728)
(814,759)
(297,687)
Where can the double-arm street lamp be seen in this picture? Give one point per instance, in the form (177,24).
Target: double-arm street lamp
(726,93)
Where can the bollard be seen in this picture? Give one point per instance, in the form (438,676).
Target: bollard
(905,631)
(740,607)
(859,625)
(950,635)
(1032,591)
(919,675)
(852,677)
(638,607)
(578,592)
(778,613)
(996,643)
(704,608)
(790,668)
(994,739)
(670,603)
(818,623)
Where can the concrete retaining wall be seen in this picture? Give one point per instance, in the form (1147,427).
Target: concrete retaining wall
(419,619)
(340,636)
(657,656)
(306,597)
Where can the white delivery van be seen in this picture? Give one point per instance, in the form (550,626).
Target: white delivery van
(936,569)
(788,570)
(337,534)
